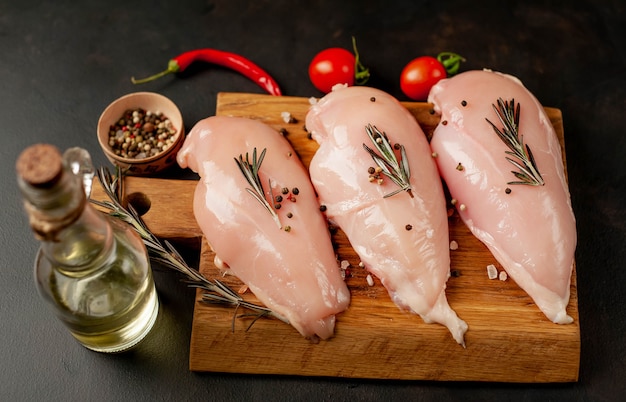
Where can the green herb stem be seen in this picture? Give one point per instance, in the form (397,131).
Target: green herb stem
(509,115)
(397,170)
(250,170)
(164,252)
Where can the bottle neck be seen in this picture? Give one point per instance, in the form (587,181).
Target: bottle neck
(72,233)
(52,209)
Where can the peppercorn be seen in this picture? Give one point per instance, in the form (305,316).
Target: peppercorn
(141,134)
(295,191)
(279,198)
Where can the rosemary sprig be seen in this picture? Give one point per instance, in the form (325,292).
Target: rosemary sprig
(397,171)
(250,171)
(509,114)
(164,252)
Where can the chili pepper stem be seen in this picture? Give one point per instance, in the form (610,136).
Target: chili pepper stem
(172,67)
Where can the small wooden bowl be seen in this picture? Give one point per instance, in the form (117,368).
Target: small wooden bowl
(148,101)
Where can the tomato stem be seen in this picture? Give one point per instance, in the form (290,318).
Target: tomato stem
(361,73)
(451,62)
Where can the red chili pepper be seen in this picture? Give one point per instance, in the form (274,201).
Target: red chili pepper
(221,58)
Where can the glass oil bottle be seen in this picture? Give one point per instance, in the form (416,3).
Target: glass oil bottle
(93,269)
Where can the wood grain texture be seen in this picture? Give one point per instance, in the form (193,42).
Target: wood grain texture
(509,339)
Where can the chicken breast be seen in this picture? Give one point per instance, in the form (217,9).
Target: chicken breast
(529,228)
(402,238)
(287,260)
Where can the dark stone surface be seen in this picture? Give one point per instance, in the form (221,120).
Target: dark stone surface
(64,61)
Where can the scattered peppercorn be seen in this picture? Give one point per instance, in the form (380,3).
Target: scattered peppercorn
(408,227)
(373,99)
(445,122)
(279,198)
(309,136)
(284,190)
(289,215)
(460,167)
(277,206)
(287,228)
(283,131)
(370,170)
(396,146)
(295,191)
(507,190)
(463,103)
(323,208)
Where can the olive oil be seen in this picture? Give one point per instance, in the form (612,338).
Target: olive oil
(92,269)
(107,310)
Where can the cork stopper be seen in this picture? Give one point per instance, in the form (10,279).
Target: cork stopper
(40,165)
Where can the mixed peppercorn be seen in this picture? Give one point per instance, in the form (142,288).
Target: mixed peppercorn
(140,134)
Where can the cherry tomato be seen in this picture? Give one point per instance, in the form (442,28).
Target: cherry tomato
(337,66)
(419,76)
(332,66)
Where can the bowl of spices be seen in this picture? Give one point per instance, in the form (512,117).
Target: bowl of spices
(141,132)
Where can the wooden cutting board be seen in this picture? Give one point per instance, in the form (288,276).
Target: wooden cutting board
(509,339)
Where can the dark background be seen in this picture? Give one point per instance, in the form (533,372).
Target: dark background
(63,61)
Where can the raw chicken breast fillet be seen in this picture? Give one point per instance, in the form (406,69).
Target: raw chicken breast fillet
(293,272)
(529,229)
(402,240)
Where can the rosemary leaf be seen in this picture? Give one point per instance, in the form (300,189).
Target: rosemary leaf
(398,171)
(509,114)
(250,171)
